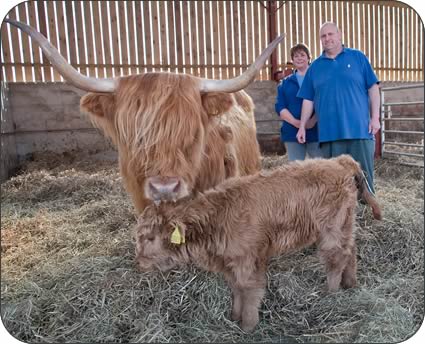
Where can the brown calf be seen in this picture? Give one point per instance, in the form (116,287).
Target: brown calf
(236,227)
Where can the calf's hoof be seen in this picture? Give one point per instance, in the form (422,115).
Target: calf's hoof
(236,315)
(249,322)
(347,283)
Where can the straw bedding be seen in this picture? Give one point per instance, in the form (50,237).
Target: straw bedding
(68,272)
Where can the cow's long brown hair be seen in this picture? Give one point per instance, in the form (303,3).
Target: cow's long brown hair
(143,123)
(163,125)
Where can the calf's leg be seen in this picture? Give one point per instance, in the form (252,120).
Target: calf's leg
(247,281)
(252,294)
(337,248)
(335,253)
(251,302)
(236,296)
(349,275)
(237,304)
(335,262)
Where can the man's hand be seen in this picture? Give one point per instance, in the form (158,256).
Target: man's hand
(374,125)
(301,135)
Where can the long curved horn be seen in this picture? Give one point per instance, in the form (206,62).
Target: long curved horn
(240,82)
(106,85)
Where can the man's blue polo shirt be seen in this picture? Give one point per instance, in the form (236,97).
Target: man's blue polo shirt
(339,89)
(287,99)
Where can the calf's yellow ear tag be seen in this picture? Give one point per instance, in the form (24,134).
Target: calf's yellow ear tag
(176,237)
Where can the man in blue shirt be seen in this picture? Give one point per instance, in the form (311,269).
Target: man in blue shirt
(342,89)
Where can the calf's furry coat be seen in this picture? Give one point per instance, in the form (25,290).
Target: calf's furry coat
(237,226)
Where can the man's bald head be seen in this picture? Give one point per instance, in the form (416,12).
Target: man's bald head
(331,39)
(332,24)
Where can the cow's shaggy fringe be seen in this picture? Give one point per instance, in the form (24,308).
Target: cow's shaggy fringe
(163,126)
(68,271)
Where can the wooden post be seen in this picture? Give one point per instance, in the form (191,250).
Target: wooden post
(9,157)
(271,9)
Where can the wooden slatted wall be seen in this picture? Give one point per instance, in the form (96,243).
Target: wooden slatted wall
(214,39)
(390,34)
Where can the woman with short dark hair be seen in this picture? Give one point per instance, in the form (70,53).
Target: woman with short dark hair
(288,108)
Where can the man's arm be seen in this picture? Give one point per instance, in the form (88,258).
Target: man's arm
(306,112)
(375,101)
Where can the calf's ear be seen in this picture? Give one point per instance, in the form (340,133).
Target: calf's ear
(217,103)
(98,104)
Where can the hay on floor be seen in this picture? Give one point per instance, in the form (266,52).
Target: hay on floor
(68,271)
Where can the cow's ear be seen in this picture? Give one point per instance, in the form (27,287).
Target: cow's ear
(98,104)
(244,101)
(217,103)
(226,133)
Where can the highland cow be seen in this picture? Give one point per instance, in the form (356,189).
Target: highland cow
(168,127)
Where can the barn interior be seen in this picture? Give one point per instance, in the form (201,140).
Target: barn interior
(67,247)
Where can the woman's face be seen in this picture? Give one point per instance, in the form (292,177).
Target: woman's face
(300,60)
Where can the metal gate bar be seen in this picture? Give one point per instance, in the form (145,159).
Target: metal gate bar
(386,116)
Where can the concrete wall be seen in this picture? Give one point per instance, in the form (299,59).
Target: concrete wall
(263,93)
(46,117)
